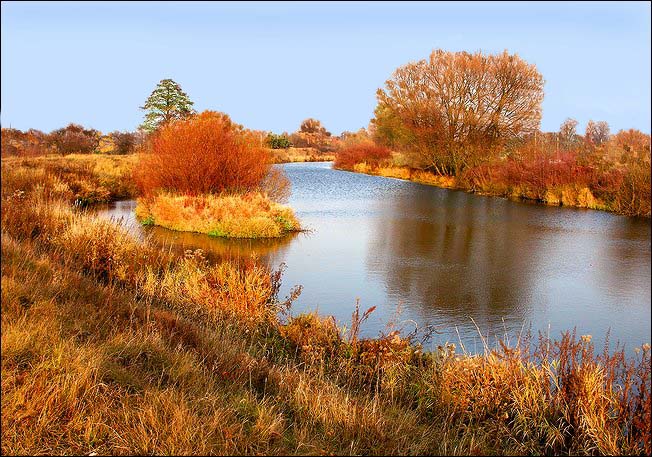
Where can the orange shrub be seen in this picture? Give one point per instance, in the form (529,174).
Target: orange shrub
(632,140)
(362,152)
(205,154)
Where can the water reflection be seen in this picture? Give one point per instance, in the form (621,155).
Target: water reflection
(452,257)
(448,259)
(215,249)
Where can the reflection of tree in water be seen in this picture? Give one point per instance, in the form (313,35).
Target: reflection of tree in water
(217,249)
(448,256)
(626,259)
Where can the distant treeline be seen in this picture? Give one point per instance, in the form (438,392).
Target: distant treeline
(73,139)
(76,139)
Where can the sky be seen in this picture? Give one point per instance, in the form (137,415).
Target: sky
(271,65)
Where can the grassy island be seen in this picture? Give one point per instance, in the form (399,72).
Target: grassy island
(251,215)
(209,175)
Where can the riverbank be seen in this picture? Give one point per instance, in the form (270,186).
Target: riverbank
(112,346)
(571,195)
(292,155)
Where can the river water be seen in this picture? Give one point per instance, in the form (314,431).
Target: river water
(463,264)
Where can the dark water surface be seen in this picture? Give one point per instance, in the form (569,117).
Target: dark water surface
(430,256)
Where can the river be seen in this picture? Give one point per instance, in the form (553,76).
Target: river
(463,264)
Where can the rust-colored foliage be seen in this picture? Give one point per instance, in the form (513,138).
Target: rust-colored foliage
(75,139)
(538,174)
(456,108)
(617,171)
(27,144)
(204,154)
(361,152)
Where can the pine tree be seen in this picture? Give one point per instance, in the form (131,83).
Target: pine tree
(166,103)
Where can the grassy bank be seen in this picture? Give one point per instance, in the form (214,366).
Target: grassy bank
(567,195)
(291,155)
(112,346)
(402,172)
(630,198)
(251,215)
(79,179)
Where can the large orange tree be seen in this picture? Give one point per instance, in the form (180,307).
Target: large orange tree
(455,109)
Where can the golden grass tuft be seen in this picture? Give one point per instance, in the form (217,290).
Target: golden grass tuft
(251,215)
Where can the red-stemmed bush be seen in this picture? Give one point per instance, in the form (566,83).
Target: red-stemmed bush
(366,152)
(205,154)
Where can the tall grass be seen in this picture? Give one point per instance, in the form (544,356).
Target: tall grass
(81,179)
(252,215)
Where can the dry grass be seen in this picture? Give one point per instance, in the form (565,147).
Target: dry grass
(112,346)
(410,174)
(290,155)
(251,215)
(81,179)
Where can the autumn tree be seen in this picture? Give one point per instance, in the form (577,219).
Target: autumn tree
(313,126)
(74,138)
(166,103)
(350,138)
(126,142)
(30,143)
(456,108)
(633,142)
(311,134)
(12,140)
(568,132)
(597,133)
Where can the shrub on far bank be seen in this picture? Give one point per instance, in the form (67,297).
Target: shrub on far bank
(278,141)
(72,139)
(31,143)
(126,142)
(366,152)
(204,154)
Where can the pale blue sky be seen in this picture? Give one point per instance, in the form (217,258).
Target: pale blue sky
(271,65)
